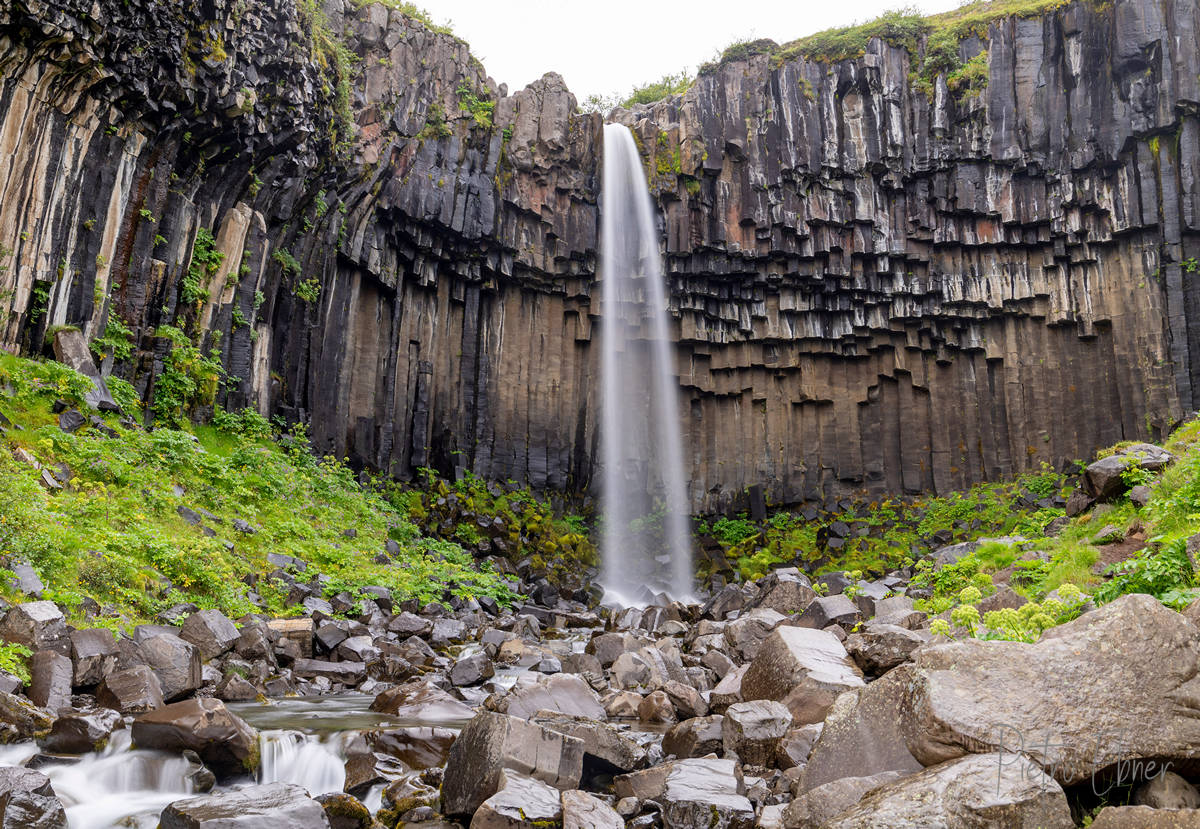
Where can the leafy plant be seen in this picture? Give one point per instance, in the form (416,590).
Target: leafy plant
(206,260)
(189,378)
(117,340)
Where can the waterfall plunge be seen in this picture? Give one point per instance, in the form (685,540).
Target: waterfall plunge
(640,428)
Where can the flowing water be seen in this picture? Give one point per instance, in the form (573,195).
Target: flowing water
(302,741)
(646,544)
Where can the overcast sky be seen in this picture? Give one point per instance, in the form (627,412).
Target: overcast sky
(608,47)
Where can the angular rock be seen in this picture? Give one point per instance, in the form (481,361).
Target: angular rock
(564,693)
(132,691)
(175,662)
(605,749)
(1131,665)
(987,791)
(746,633)
(818,806)
(28,801)
(36,625)
(472,670)
(348,673)
(225,743)
(521,803)
(785,590)
(751,731)
(695,737)
(50,682)
(581,810)
(705,794)
(423,702)
(277,805)
(81,732)
(210,631)
(93,654)
(656,708)
(1144,817)
(878,648)
(804,669)
(728,690)
(492,743)
(1167,790)
(830,610)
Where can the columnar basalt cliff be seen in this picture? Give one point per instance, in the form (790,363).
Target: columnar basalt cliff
(873,286)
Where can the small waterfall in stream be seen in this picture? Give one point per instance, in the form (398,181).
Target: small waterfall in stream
(646,542)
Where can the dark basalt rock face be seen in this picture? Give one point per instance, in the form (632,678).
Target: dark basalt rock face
(871,288)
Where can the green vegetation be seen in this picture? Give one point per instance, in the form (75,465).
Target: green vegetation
(337,66)
(667,85)
(206,259)
(413,11)
(480,109)
(435,124)
(113,532)
(188,379)
(117,341)
(308,290)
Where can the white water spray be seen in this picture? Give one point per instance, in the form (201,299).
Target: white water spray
(646,540)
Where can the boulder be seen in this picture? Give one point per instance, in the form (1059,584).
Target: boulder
(581,810)
(804,669)
(492,743)
(1105,477)
(983,791)
(226,743)
(1167,790)
(656,708)
(93,655)
(1111,687)
(830,610)
(862,735)
(564,693)
(796,746)
(688,702)
(345,811)
(175,662)
(422,701)
(131,691)
(299,631)
(347,673)
(1144,817)
(277,805)
(695,737)
(234,688)
(28,801)
(785,590)
(210,631)
(20,719)
(728,690)
(36,625)
(605,749)
(816,807)
(520,803)
(751,731)
(472,670)
(878,648)
(81,732)
(746,633)
(705,794)
(50,680)
(417,747)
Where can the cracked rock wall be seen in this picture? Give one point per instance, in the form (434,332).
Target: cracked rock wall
(871,288)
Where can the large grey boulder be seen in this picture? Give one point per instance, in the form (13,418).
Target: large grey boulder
(81,732)
(211,631)
(1105,477)
(277,805)
(604,747)
(36,625)
(424,702)
(705,794)
(50,680)
(28,801)
(878,648)
(224,741)
(751,731)
(521,803)
(492,743)
(804,669)
(695,737)
(830,610)
(984,791)
(1115,685)
(746,633)
(131,691)
(175,662)
(814,808)
(93,655)
(1167,790)
(862,735)
(786,590)
(564,693)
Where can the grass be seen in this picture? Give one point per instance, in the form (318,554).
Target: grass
(113,532)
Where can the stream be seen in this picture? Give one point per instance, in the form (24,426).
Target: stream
(302,741)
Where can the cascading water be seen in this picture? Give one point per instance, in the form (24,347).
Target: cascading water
(646,542)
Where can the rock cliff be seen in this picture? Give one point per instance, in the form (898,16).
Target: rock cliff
(873,286)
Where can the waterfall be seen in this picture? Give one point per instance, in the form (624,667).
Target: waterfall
(292,757)
(646,541)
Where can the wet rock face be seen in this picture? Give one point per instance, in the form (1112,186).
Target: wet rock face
(869,281)
(223,740)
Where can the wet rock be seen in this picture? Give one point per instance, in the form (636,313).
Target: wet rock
(345,811)
(804,669)
(521,803)
(581,810)
(422,701)
(410,624)
(751,731)
(1167,790)
(705,794)
(278,805)
(36,625)
(20,719)
(1128,661)
(695,737)
(131,691)
(472,670)
(225,743)
(175,662)
(606,750)
(211,632)
(492,743)
(622,704)
(985,790)
(348,673)
(564,693)
(417,747)
(28,801)
(81,732)
(93,654)
(878,648)
(50,680)
(688,702)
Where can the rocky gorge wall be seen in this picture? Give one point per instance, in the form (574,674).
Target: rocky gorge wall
(872,288)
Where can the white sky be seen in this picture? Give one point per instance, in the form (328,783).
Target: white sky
(609,47)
